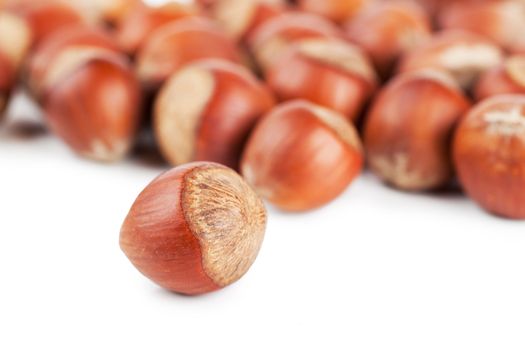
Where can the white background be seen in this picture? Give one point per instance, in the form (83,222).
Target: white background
(377,269)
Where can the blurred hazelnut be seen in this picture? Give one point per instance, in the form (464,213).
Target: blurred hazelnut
(302,156)
(501,21)
(329,72)
(195,229)
(136,28)
(335,10)
(465,55)
(46,17)
(111,12)
(386,30)
(272,39)
(78,41)
(207,110)
(508,78)
(409,127)
(15,43)
(240,18)
(176,44)
(92,102)
(7,79)
(489,153)
(16,38)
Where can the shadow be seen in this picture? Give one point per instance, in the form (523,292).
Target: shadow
(164,293)
(24,130)
(146,153)
(452,190)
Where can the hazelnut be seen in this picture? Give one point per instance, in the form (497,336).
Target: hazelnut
(92,103)
(46,17)
(409,127)
(111,12)
(7,81)
(16,38)
(508,78)
(465,55)
(302,156)
(78,41)
(15,43)
(195,229)
(240,18)
(489,153)
(386,30)
(207,110)
(335,10)
(136,28)
(271,40)
(205,3)
(329,72)
(501,21)
(174,45)
(434,7)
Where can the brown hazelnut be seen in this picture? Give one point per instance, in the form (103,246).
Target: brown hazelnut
(17,38)
(46,17)
(489,153)
(240,18)
(78,41)
(329,72)
(14,46)
(335,10)
(195,229)
(302,156)
(508,78)
(7,79)
(434,7)
(136,28)
(272,39)
(465,55)
(92,102)
(111,12)
(409,127)
(386,30)
(176,44)
(207,110)
(501,21)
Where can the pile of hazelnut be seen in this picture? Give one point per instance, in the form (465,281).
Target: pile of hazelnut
(274,99)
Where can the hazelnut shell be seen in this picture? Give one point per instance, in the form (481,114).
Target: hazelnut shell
(195,229)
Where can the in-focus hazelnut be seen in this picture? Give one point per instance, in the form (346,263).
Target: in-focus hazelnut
(501,21)
(176,44)
(387,29)
(465,55)
(93,102)
(136,28)
(409,129)
(302,156)
(239,18)
(195,229)
(207,110)
(329,72)
(273,38)
(335,10)
(508,78)
(489,153)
